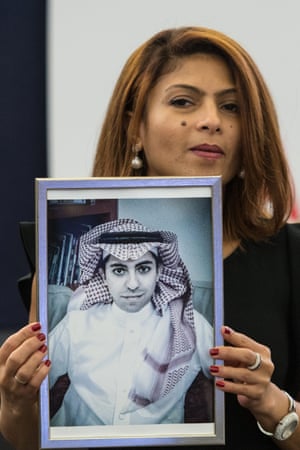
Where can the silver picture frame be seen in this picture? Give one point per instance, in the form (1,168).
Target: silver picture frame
(191,207)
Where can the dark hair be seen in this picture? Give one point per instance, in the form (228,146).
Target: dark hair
(255,206)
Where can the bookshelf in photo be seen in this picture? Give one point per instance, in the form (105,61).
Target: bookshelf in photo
(67,221)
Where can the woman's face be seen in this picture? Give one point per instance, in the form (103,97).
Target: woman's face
(192,123)
(131,283)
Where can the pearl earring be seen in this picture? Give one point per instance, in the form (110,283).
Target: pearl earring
(136,162)
(241,174)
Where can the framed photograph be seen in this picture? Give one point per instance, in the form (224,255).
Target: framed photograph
(130,294)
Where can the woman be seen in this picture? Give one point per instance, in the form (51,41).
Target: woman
(131,343)
(191,101)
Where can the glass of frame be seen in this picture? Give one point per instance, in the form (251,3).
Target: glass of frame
(87,399)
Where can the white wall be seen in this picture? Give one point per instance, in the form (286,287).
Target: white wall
(194,240)
(89,41)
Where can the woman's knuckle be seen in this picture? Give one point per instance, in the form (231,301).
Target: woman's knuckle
(9,344)
(270,366)
(13,360)
(265,350)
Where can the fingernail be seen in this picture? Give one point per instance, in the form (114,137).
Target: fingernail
(220,383)
(214,369)
(36,327)
(227,330)
(43,348)
(48,363)
(41,337)
(214,351)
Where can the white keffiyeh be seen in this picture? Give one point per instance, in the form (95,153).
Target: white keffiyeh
(166,358)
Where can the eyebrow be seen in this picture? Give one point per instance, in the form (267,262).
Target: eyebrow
(196,90)
(125,265)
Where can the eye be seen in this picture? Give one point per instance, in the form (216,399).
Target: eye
(181,102)
(231,107)
(119,271)
(144,269)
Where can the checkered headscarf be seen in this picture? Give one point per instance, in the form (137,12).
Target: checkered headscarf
(172,293)
(174,281)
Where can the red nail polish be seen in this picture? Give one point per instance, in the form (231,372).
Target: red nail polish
(43,348)
(214,351)
(214,369)
(41,337)
(48,363)
(227,330)
(220,383)
(36,327)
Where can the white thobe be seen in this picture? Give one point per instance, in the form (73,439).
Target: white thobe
(100,349)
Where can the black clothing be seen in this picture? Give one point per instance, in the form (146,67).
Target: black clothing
(262,300)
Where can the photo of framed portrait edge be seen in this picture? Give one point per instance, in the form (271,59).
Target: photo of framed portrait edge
(160,202)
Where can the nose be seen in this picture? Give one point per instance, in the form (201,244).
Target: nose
(208,119)
(132,280)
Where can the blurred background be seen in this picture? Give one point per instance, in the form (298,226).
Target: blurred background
(59,62)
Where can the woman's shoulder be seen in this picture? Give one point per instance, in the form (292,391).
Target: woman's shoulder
(279,254)
(293,231)
(293,243)
(288,237)
(27,233)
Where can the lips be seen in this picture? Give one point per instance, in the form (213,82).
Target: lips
(208,151)
(132,297)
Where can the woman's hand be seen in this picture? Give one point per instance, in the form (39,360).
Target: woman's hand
(250,386)
(246,372)
(23,367)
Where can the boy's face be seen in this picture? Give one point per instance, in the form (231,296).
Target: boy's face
(131,283)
